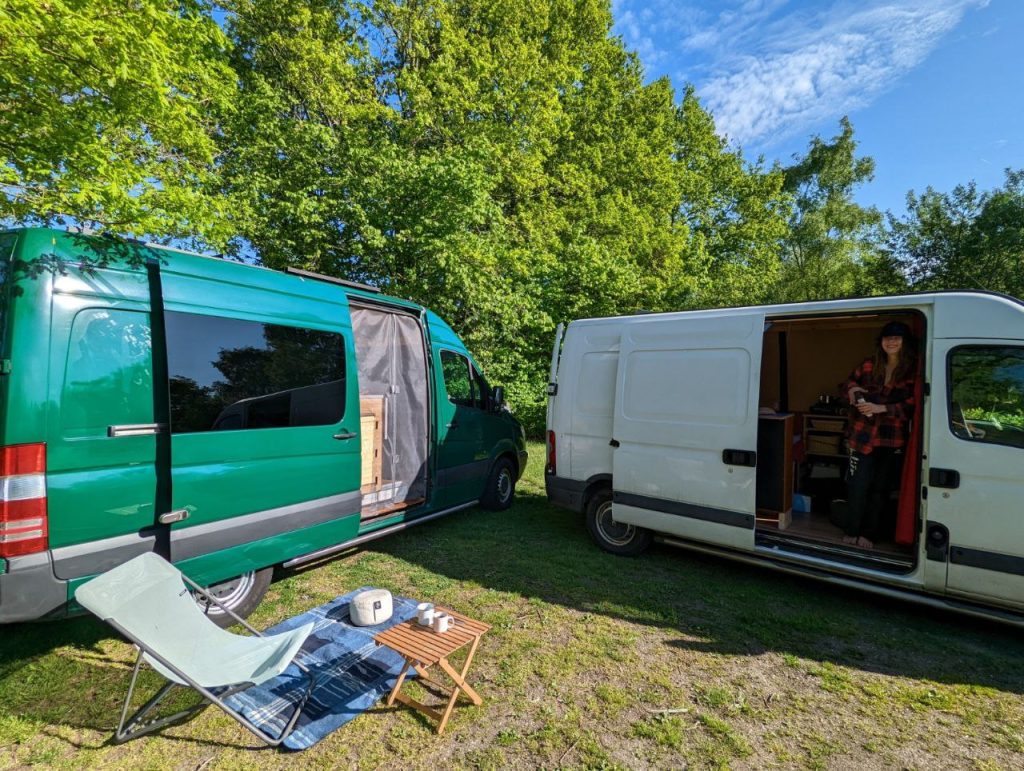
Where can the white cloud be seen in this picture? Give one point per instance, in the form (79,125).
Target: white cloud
(768,71)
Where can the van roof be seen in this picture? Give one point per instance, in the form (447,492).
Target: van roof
(966,305)
(82,242)
(830,307)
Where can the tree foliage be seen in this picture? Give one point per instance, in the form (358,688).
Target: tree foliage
(833,247)
(964,239)
(504,162)
(108,115)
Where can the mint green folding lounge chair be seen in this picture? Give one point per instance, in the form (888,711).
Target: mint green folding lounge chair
(148,601)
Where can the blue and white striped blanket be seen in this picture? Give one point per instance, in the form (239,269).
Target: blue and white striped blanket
(352,673)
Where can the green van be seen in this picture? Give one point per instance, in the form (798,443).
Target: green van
(228,417)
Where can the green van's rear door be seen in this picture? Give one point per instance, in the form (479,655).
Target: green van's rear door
(264,414)
(101,433)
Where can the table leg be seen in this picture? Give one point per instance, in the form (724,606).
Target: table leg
(459,678)
(398,682)
(451,699)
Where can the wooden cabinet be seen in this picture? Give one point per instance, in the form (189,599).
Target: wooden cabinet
(371,428)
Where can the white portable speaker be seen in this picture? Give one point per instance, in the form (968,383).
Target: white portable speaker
(371,607)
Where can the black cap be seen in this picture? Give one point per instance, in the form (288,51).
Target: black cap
(896,329)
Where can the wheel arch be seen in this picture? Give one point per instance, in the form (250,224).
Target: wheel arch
(595,484)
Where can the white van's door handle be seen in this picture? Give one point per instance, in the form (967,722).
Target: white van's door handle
(345,435)
(739,457)
(613,443)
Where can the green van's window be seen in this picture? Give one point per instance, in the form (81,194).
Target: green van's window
(987,394)
(456,378)
(229,374)
(109,375)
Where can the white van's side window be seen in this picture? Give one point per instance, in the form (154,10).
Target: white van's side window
(986,394)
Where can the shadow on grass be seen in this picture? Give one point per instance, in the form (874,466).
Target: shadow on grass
(59,673)
(718,606)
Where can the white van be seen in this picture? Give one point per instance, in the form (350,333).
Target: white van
(724,431)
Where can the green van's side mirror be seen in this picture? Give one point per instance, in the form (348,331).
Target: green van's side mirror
(498,398)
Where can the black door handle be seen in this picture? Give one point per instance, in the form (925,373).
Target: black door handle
(944,477)
(345,435)
(613,443)
(739,457)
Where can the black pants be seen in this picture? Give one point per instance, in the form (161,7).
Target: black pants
(870,478)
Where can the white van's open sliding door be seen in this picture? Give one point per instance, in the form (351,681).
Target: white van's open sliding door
(686,427)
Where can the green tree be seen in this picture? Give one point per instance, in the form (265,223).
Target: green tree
(109,114)
(735,217)
(502,162)
(964,239)
(833,248)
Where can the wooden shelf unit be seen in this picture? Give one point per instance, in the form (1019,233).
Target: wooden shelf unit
(828,429)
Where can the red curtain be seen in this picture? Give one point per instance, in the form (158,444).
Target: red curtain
(906,513)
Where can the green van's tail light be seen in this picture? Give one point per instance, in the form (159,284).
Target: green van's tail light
(23,525)
(551,452)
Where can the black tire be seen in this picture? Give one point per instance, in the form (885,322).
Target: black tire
(501,486)
(242,594)
(614,537)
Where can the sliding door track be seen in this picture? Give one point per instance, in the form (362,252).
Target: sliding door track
(842,553)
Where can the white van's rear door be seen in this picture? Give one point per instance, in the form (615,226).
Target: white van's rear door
(685,426)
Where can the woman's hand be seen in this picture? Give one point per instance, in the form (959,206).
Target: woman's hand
(851,395)
(870,408)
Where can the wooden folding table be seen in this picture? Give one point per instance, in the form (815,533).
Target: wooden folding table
(422,648)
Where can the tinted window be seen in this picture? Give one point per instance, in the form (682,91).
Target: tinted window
(109,376)
(456,378)
(987,394)
(463,383)
(227,374)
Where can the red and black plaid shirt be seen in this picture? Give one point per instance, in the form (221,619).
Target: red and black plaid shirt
(888,429)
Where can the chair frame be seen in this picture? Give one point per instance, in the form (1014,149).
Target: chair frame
(133,727)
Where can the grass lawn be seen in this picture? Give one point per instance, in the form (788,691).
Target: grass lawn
(666,660)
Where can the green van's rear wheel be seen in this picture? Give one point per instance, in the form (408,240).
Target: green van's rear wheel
(242,594)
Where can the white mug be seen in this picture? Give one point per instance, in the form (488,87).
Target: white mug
(442,622)
(425,613)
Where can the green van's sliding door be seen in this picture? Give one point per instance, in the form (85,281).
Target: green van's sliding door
(685,427)
(264,414)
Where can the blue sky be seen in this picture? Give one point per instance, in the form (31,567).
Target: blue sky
(935,88)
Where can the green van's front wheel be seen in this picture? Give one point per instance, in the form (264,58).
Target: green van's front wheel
(241,594)
(501,486)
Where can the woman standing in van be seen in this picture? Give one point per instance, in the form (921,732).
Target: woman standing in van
(881,390)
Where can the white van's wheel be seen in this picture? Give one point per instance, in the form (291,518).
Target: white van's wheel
(501,486)
(615,537)
(242,594)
